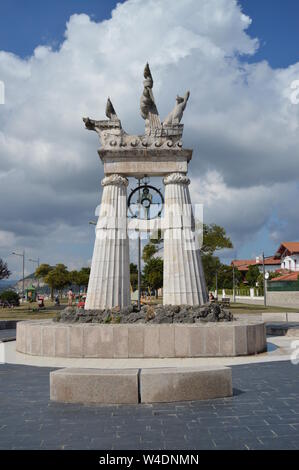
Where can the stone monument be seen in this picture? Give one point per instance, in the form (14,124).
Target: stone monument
(159,152)
(207,333)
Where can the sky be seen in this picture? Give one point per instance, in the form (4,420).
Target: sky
(59,60)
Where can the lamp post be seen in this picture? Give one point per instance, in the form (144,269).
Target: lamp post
(37,262)
(144,202)
(139,252)
(265,281)
(262,259)
(23,266)
(234,290)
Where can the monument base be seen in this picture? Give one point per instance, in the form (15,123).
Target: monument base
(118,341)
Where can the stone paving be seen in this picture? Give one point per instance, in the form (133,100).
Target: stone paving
(6,334)
(262,414)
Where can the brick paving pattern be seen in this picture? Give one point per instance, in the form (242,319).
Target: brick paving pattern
(262,414)
(5,334)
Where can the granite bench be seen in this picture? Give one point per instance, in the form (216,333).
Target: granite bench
(129,386)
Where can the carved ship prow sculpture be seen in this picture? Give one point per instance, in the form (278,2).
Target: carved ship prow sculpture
(167,134)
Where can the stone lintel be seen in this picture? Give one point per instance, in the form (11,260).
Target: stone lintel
(151,162)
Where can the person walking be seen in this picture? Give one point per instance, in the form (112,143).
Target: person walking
(70,297)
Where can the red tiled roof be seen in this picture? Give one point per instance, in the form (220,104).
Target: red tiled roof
(291,247)
(242,264)
(287,277)
(271,261)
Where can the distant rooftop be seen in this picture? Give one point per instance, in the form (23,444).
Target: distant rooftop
(293,276)
(288,248)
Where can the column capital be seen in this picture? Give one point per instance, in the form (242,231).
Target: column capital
(176,178)
(115,180)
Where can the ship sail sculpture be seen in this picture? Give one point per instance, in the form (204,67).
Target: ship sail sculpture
(158,152)
(148,106)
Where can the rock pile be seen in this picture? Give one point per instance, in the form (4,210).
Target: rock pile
(148,314)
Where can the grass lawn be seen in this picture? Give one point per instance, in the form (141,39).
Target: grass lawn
(238,308)
(251,308)
(29,311)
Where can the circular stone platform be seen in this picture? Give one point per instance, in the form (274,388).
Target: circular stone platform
(88,340)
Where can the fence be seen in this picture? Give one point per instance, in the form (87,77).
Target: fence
(242,292)
(286,286)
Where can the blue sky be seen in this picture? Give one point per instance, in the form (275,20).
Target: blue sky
(276,24)
(239,116)
(25,24)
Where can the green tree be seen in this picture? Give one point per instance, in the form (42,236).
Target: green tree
(74,277)
(149,251)
(252,275)
(225,277)
(153,268)
(80,278)
(153,273)
(153,246)
(42,272)
(4,271)
(211,264)
(58,278)
(134,276)
(214,239)
(85,273)
(11,297)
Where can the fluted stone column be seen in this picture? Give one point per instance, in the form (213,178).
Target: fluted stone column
(109,282)
(184,280)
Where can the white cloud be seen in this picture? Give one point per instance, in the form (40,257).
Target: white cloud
(6,239)
(240,119)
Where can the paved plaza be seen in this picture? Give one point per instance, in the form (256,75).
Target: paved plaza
(7,334)
(262,414)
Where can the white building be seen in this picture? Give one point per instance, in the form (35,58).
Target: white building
(288,254)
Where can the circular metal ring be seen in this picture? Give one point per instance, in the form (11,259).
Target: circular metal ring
(140,188)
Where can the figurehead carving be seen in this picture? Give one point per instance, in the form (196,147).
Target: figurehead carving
(175,116)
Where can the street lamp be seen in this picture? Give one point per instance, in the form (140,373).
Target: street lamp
(139,251)
(234,288)
(37,262)
(23,280)
(262,258)
(265,281)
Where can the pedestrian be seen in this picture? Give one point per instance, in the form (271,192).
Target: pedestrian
(70,297)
